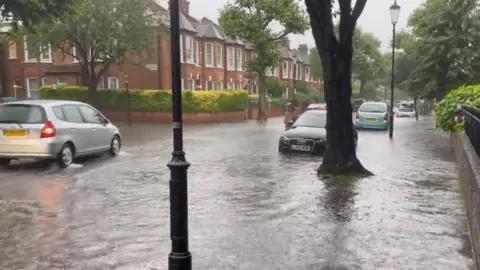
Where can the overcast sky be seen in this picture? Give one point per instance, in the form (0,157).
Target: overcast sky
(375,17)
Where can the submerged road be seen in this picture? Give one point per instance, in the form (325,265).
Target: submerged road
(250,208)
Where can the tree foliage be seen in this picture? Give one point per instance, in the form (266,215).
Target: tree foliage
(252,21)
(315,65)
(102,33)
(368,62)
(443,47)
(30,12)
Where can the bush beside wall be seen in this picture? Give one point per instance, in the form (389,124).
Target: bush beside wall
(445,109)
(153,100)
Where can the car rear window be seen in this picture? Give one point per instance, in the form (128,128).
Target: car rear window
(22,113)
(373,108)
(312,119)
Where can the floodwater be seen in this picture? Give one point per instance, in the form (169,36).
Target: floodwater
(250,208)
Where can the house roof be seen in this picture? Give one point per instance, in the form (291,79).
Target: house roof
(185,23)
(285,53)
(209,31)
(302,57)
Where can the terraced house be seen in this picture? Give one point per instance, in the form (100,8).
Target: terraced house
(210,61)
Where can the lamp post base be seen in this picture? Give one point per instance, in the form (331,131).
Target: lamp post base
(180,261)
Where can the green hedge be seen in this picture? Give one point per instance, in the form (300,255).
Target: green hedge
(444,111)
(153,100)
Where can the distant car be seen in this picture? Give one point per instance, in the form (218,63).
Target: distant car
(317,106)
(54,130)
(307,135)
(372,115)
(356,103)
(406,109)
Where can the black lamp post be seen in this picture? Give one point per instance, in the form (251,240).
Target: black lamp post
(180,257)
(394,14)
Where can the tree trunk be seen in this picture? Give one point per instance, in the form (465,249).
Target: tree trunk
(363,86)
(4,70)
(336,53)
(415,104)
(262,100)
(340,156)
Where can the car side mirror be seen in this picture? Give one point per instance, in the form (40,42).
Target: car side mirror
(106,121)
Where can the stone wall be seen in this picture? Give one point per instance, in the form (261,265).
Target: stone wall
(469,174)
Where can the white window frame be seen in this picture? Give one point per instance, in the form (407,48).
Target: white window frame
(238,60)
(46,58)
(27,84)
(189,49)
(58,83)
(285,70)
(26,52)
(219,55)
(307,74)
(230,56)
(117,82)
(220,85)
(12,50)
(231,86)
(269,72)
(182,60)
(212,83)
(297,71)
(192,86)
(44,81)
(74,53)
(197,53)
(275,71)
(209,59)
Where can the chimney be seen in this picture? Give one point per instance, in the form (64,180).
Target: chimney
(285,42)
(303,48)
(184,7)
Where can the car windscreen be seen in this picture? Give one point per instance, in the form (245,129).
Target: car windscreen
(407,105)
(373,108)
(22,114)
(311,119)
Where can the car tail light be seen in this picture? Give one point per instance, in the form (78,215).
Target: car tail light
(357,115)
(385,117)
(48,131)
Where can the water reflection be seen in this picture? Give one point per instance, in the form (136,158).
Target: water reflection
(339,198)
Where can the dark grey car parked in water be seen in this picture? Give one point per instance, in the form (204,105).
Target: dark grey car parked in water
(307,135)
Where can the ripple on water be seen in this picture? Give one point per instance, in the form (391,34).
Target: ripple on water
(251,208)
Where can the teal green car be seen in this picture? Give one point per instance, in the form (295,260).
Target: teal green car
(372,115)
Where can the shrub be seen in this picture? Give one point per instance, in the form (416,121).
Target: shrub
(278,102)
(444,111)
(275,87)
(153,100)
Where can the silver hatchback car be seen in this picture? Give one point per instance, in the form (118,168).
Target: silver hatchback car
(54,130)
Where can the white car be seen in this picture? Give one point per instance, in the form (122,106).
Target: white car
(406,110)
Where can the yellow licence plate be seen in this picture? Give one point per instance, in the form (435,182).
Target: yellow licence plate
(14,133)
(371,119)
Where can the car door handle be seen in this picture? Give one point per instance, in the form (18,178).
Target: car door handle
(93,128)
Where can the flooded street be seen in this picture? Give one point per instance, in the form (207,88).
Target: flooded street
(250,208)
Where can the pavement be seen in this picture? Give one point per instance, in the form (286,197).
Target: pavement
(250,208)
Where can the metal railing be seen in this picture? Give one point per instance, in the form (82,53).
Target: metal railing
(471,120)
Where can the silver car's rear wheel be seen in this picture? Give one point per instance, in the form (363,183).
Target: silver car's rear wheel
(65,156)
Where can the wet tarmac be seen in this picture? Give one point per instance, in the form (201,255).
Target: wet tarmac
(250,208)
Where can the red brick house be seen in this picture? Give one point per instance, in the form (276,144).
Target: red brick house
(210,61)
